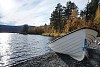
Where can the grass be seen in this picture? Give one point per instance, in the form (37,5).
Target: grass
(54,34)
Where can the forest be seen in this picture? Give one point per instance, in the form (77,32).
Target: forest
(68,18)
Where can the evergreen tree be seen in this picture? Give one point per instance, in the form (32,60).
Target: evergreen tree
(60,16)
(90,10)
(25,29)
(56,18)
(69,7)
(71,13)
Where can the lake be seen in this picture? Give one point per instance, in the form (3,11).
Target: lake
(16,48)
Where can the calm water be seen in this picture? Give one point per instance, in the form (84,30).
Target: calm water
(16,48)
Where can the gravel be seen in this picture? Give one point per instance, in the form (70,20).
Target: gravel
(52,59)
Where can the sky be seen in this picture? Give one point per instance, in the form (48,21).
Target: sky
(31,12)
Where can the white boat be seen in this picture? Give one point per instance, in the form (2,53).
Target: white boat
(75,43)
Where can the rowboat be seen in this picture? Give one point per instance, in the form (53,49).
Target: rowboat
(74,43)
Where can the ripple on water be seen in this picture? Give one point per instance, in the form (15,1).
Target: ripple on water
(16,48)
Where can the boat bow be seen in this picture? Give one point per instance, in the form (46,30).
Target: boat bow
(74,44)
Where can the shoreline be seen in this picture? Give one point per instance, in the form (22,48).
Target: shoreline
(54,34)
(49,59)
(52,59)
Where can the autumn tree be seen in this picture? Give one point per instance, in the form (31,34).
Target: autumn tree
(97,18)
(60,16)
(71,14)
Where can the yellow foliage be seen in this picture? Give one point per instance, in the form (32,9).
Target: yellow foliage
(74,13)
(97,17)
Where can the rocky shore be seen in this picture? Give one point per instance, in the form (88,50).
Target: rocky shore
(52,59)
(48,60)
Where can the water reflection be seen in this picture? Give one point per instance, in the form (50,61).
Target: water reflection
(4,37)
(15,48)
(4,49)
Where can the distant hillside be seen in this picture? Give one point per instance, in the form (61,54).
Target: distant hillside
(12,29)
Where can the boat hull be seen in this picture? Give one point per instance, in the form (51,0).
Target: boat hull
(74,44)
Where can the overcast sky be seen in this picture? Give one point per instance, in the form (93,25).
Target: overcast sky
(31,12)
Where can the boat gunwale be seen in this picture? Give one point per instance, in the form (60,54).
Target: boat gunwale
(71,33)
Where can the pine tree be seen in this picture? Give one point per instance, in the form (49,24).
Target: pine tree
(56,18)
(62,15)
(90,10)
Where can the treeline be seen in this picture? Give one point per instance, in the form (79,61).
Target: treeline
(39,30)
(68,18)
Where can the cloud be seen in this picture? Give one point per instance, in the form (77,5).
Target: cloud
(33,12)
